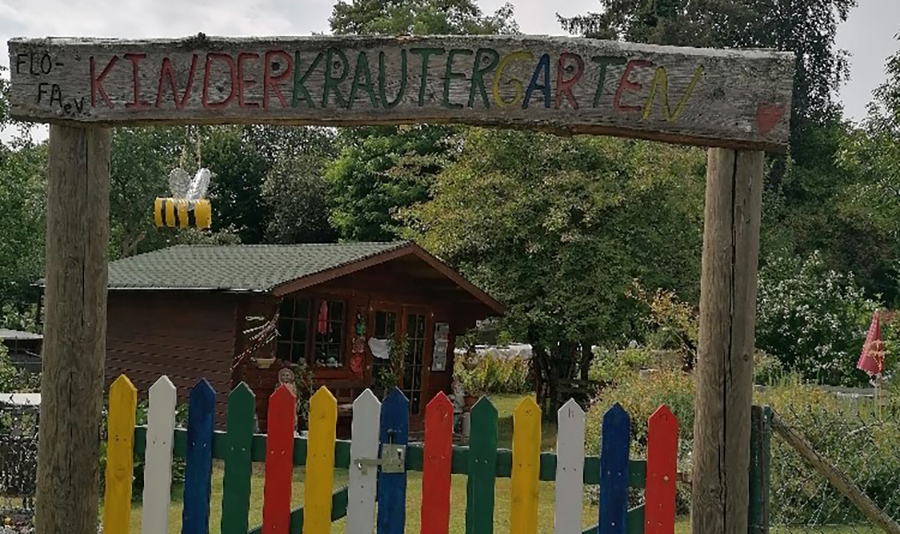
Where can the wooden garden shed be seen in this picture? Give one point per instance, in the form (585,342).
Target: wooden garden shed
(185,312)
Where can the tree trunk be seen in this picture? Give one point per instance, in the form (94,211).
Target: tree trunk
(587,357)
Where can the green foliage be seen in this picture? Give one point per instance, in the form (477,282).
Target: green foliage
(618,367)
(812,319)
(239,168)
(13,380)
(640,397)
(418,17)
(390,375)
(379,171)
(305,386)
(22,223)
(295,190)
(493,373)
(382,170)
(7,371)
(559,228)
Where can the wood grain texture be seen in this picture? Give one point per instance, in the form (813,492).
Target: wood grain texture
(279,462)
(616,436)
(662,472)
(77,245)
(198,457)
(569,468)
(739,99)
(482,469)
(158,457)
(724,374)
(320,463)
(392,486)
(526,459)
(361,489)
(238,465)
(836,477)
(119,456)
(438,449)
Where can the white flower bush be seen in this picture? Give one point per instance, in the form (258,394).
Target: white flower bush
(813,319)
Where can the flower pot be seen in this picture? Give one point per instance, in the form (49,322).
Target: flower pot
(470,401)
(264,363)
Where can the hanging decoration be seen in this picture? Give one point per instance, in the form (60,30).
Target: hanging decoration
(187,207)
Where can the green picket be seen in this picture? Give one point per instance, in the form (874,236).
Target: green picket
(482,469)
(238,462)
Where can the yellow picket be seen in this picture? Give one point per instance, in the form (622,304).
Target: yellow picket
(320,463)
(526,459)
(119,456)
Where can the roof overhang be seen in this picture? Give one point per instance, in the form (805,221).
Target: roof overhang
(410,249)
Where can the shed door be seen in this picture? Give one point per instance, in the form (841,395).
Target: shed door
(413,372)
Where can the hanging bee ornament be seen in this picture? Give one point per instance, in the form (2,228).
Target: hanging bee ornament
(187,206)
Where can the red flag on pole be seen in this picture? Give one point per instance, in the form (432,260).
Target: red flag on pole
(871,359)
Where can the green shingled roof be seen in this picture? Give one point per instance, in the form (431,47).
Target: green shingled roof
(236,267)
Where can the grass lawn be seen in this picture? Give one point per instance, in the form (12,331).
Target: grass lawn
(505,405)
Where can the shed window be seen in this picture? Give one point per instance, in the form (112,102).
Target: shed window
(293,329)
(328,327)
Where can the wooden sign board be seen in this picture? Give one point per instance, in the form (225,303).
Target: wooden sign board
(735,99)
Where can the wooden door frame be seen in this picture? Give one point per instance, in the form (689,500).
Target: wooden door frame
(742,107)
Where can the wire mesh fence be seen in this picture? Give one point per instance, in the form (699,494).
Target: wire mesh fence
(18,460)
(862,442)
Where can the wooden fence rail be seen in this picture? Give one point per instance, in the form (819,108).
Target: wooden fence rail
(378,457)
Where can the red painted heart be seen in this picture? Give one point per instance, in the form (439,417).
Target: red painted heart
(767,117)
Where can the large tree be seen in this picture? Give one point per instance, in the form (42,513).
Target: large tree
(560,228)
(295,190)
(381,170)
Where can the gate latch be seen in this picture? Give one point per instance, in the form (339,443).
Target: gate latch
(393,459)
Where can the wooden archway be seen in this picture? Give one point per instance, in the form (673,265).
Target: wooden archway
(736,102)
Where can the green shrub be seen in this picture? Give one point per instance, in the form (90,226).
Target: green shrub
(640,397)
(493,373)
(812,319)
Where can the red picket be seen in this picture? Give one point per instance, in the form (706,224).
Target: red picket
(662,471)
(279,462)
(438,450)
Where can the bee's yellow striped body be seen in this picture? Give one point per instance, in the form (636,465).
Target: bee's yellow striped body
(182,213)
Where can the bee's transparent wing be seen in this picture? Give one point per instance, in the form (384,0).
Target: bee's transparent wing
(179,182)
(199,185)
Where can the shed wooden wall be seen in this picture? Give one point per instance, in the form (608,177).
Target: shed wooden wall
(185,335)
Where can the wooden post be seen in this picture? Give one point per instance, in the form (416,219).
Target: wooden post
(760,462)
(724,373)
(75,330)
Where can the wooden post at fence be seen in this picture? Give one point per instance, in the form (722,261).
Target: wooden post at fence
(75,330)
(724,373)
(760,469)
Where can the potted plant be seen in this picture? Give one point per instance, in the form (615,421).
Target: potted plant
(391,375)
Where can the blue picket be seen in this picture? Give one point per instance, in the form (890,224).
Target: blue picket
(392,486)
(198,459)
(614,471)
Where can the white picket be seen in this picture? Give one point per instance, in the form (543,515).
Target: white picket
(569,468)
(158,457)
(364,445)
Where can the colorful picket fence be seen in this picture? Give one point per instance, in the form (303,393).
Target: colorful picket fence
(378,458)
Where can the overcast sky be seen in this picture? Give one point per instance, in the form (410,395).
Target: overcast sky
(868,34)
